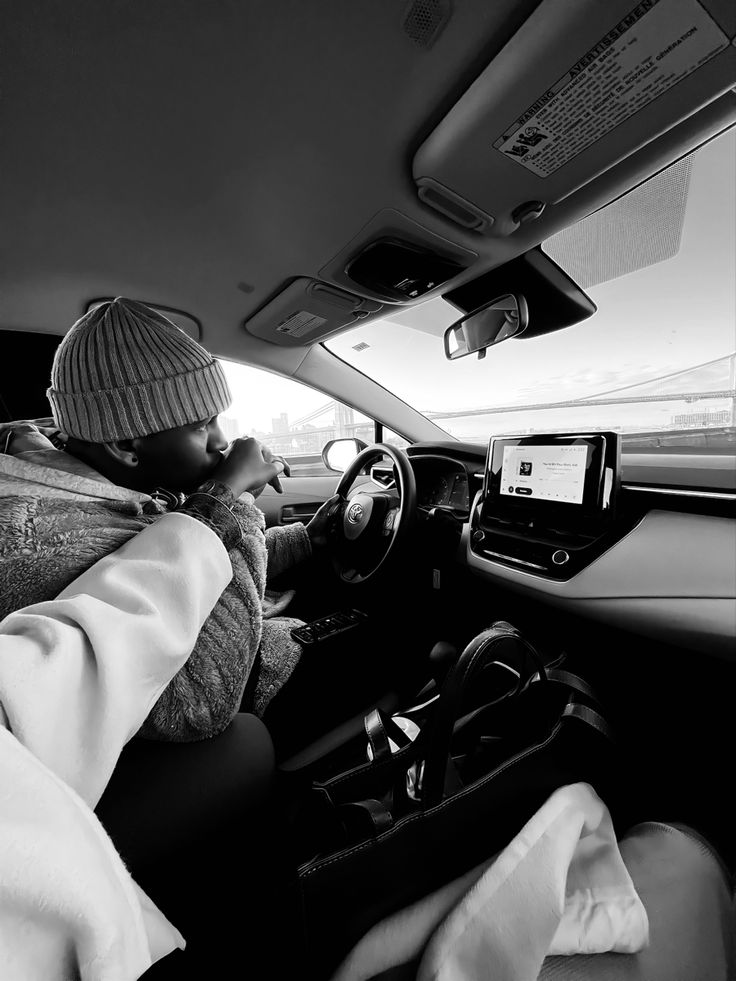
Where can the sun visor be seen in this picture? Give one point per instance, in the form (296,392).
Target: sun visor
(582,85)
(308,310)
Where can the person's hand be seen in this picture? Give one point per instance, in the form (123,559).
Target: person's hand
(246,467)
(319,525)
(270,457)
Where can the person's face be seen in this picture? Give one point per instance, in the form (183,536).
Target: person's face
(180,459)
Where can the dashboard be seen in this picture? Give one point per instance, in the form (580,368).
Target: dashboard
(442,482)
(444,490)
(665,568)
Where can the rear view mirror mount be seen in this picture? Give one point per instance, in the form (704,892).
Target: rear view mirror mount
(504,317)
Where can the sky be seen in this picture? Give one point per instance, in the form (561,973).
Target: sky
(671,315)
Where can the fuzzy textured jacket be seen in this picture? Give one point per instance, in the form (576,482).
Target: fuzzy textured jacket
(58,517)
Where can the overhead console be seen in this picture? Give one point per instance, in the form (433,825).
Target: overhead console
(549,502)
(396,260)
(399,270)
(392,261)
(307,310)
(584,88)
(581,86)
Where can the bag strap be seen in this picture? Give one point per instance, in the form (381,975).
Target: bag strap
(380,727)
(447,710)
(588,715)
(375,817)
(573,681)
(370,812)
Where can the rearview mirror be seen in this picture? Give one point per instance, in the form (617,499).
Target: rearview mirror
(506,316)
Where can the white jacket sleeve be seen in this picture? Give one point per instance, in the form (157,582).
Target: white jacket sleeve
(77,678)
(79,674)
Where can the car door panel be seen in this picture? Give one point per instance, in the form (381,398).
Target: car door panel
(301,498)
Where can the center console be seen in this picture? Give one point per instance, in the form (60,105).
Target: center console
(548,501)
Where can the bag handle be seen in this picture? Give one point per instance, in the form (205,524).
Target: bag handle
(472,659)
(588,715)
(573,681)
(380,727)
(370,816)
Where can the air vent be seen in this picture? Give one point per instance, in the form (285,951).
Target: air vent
(424,20)
(383,475)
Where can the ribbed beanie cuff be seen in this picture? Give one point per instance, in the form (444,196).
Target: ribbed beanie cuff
(141,410)
(125,371)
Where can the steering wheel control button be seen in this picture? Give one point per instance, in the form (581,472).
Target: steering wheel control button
(560,557)
(388,521)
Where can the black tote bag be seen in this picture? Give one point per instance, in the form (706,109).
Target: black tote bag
(484,773)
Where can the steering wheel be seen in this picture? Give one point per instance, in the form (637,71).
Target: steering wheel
(367,525)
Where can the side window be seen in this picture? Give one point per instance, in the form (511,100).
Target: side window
(393,439)
(292,419)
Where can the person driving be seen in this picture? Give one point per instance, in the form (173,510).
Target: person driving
(78,675)
(136,402)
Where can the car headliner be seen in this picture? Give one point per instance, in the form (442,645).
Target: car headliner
(200,155)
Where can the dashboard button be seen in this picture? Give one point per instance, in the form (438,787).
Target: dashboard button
(478,537)
(560,557)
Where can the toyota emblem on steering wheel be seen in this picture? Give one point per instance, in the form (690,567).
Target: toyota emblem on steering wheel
(355,513)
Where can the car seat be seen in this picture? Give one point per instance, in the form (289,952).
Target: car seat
(25,373)
(686,891)
(191,821)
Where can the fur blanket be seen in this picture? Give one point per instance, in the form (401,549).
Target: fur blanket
(58,517)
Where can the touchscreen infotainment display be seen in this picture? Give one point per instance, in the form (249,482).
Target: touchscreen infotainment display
(546,473)
(563,480)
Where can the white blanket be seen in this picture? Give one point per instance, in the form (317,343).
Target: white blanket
(68,907)
(560,887)
(78,676)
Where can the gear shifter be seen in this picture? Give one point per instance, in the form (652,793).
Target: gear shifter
(441,658)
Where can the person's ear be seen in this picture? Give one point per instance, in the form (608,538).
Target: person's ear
(122,451)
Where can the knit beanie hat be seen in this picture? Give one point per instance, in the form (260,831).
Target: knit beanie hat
(123,370)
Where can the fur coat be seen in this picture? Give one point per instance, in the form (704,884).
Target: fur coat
(58,517)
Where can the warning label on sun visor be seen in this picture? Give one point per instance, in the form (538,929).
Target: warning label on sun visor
(300,323)
(656,45)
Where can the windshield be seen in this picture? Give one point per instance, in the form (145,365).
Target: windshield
(657,359)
